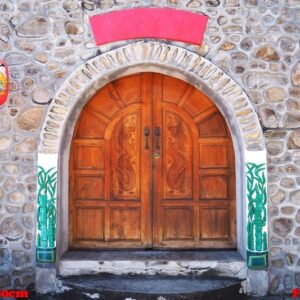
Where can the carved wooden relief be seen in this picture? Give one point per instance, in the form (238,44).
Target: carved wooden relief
(178,157)
(125,157)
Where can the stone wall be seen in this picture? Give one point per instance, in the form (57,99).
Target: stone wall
(284,209)
(254,42)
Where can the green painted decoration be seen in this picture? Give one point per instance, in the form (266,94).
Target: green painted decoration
(46,215)
(257,253)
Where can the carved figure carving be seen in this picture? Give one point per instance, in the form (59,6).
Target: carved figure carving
(125,164)
(176,154)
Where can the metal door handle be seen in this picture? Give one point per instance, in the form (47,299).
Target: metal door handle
(147,133)
(157,134)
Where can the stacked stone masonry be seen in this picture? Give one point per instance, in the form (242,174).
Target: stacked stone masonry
(256,42)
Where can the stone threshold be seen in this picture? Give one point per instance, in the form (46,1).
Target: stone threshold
(143,286)
(206,264)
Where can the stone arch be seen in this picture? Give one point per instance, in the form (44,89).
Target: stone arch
(178,62)
(189,66)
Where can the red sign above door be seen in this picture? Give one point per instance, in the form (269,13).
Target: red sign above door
(159,23)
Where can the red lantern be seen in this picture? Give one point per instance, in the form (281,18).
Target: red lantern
(3,82)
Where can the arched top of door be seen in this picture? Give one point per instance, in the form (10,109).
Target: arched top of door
(158,57)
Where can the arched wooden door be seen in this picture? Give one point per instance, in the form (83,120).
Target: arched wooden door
(151,166)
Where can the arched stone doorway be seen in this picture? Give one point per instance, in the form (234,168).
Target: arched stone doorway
(178,62)
(151,166)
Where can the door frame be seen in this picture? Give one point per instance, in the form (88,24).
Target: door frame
(158,57)
(156,227)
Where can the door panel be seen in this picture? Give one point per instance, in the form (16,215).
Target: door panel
(178,184)
(171,186)
(213,156)
(125,223)
(89,187)
(214,187)
(217,218)
(90,223)
(193,194)
(110,173)
(178,223)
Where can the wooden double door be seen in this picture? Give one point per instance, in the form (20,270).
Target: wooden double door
(151,166)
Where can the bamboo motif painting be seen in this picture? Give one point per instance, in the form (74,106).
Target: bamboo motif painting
(46,215)
(257,252)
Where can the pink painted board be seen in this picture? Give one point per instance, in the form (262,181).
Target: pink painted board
(160,23)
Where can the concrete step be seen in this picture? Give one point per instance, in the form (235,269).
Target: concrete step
(199,263)
(143,287)
(84,295)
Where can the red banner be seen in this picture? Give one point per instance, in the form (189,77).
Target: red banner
(3,82)
(158,23)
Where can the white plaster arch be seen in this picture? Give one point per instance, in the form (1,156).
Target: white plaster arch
(158,57)
(182,63)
